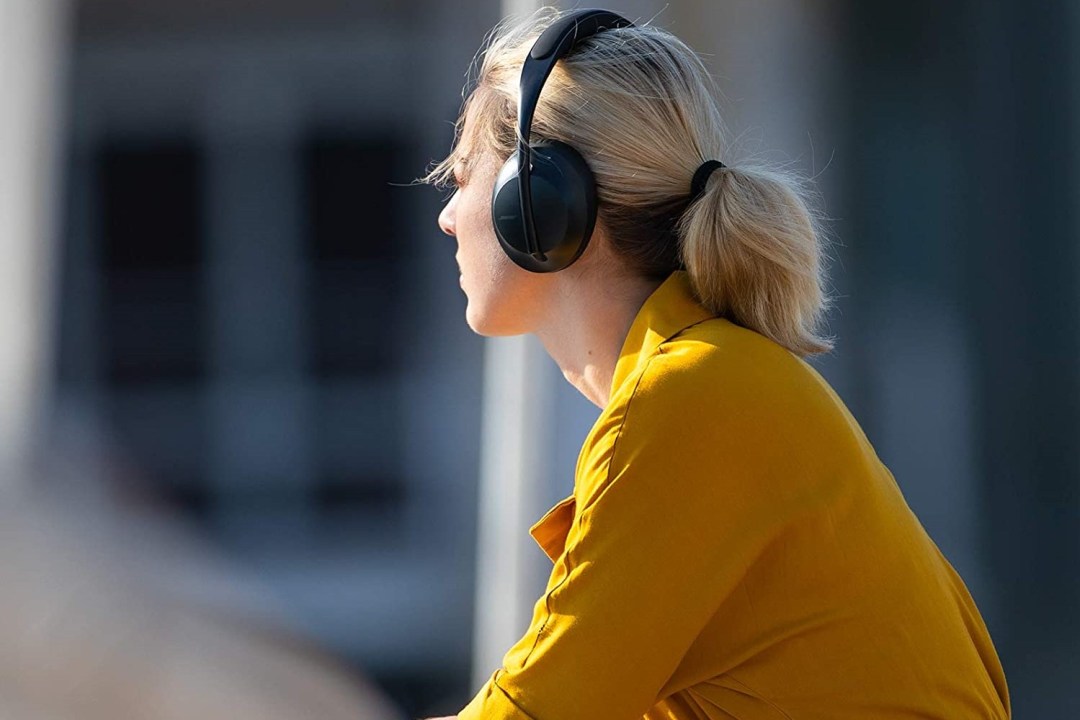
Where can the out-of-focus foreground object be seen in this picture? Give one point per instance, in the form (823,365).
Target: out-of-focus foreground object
(93,624)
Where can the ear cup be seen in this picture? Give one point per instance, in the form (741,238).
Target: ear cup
(564,207)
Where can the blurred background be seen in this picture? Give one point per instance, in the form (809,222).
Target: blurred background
(236,345)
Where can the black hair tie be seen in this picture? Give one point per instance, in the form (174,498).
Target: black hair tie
(701,176)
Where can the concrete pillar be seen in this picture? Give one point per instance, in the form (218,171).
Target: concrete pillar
(33,45)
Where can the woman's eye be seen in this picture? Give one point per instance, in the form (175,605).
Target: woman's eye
(458,176)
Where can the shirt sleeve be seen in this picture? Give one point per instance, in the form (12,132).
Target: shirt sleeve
(674,504)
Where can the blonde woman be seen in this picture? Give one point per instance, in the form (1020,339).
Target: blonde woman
(733,548)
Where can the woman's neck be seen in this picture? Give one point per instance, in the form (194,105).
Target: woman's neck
(589,327)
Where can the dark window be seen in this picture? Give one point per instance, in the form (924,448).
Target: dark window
(150,261)
(354,243)
(150,206)
(350,201)
(358,281)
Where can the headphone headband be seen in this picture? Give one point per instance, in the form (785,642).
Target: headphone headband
(555,43)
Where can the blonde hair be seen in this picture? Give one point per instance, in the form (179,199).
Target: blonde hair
(639,105)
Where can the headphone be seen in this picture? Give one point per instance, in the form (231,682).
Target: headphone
(544,201)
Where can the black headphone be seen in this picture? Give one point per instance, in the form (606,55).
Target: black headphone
(544,202)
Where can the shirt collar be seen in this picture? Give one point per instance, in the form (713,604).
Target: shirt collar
(670,309)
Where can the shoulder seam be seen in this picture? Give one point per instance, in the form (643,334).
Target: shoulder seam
(688,327)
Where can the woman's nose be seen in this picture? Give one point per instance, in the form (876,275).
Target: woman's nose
(448,217)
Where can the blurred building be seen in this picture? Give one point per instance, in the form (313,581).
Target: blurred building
(270,330)
(260,314)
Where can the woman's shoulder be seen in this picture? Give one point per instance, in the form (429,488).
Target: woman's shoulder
(732,389)
(719,362)
(719,412)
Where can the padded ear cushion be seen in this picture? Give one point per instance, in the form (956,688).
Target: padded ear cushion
(564,207)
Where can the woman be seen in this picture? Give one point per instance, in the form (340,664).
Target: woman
(733,546)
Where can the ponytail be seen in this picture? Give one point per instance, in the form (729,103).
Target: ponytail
(754,255)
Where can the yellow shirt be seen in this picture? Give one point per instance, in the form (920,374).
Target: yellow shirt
(734,548)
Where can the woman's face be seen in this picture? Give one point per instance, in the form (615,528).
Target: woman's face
(503,299)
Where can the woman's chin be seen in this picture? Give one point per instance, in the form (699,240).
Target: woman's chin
(480,324)
(485,324)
